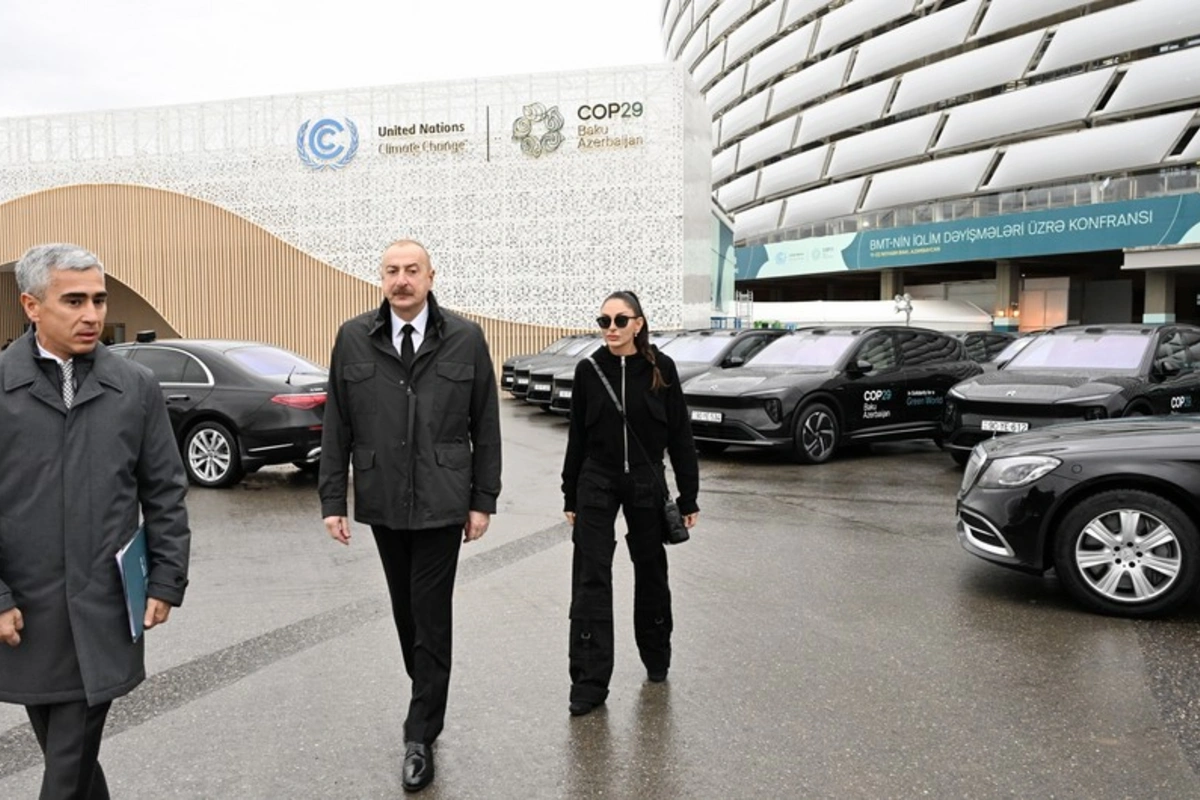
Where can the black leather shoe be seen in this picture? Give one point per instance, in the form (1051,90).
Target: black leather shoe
(656,675)
(418,766)
(580,707)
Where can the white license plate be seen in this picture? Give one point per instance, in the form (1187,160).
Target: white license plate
(707,416)
(1004,426)
(541,387)
(565,394)
(522,381)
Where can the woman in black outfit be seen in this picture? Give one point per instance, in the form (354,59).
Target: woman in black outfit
(604,470)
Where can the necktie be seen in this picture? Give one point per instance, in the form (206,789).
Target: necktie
(68,382)
(406,346)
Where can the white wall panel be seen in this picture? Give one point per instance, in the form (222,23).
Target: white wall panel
(1112,148)
(694,48)
(794,172)
(799,9)
(726,90)
(810,83)
(744,116)
(757,221)
(844,112)
(1192,151)
(780,56)
(828,202)
(770,141)
(725,14)
(724,163)
(753,32)
(926,36)
(933,180)
(1158,81)
(738,192)
(683,29)
(702,6)
(1044,106)
(710,66)
(886,145)
(986,67)
(1119,30)
(856,18)
(1004,14)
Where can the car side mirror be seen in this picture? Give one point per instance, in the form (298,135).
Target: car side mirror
(733,361)
(1169,369)
(862,367)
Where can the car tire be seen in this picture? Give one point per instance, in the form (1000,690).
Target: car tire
(211,457)
(711,448)
(961,457)
(1128,552)
(817,434)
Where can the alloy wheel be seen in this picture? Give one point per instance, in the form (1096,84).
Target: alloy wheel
(1128,556)
(210,455)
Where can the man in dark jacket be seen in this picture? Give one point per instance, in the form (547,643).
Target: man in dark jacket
(85,443)
(413,407)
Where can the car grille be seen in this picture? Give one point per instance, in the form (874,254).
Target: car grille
(1038,414)
(983,534)
(720,401)
(726,433)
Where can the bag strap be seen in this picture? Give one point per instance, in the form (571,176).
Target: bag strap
(621,410)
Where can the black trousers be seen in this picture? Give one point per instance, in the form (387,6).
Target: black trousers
(69,735)
(420,567)
(599,495)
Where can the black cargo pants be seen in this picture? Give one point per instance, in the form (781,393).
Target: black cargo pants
(599,494)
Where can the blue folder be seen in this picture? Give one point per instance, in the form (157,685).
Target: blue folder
(135,574)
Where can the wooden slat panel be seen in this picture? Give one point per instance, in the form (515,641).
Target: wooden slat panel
(207,271)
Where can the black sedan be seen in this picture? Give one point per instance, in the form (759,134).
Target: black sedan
(1067,374)
(813,390)
(1111,506)
(236,406)
(509,368)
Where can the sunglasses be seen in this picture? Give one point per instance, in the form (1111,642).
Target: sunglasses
(621,320)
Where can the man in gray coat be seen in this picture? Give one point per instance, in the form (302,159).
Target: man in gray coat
(85,443)
(413,406)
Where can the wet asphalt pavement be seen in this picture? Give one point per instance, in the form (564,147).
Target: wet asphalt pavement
(832,640)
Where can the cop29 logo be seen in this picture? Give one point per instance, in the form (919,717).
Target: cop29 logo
(538,130)
(327,143)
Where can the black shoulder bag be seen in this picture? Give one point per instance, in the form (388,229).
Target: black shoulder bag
(674,529)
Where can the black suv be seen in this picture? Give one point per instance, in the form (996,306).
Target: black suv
(1073,373)
(816,389)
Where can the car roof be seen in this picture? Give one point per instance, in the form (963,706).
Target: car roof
(1131,328)
(220,345)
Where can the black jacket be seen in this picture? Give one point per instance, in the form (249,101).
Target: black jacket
(660,420)
(425,447)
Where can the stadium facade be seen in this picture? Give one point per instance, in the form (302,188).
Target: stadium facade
(1038,157)
(265,218)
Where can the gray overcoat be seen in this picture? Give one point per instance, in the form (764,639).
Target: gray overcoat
(71,485)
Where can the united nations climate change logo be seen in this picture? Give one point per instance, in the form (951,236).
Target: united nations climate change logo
(327,143)
(538,130)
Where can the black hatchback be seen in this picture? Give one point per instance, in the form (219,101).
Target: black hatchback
(1074,373)
(236,406)
(1110,505)
(814,390)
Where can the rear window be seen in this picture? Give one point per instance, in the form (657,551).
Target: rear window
(804,350)
(1111,351)
(273,362)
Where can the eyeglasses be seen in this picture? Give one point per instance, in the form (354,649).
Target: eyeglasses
(621,320)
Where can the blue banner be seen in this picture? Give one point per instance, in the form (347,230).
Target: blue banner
(1154,222)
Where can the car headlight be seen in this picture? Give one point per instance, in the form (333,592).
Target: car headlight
(1010,472)
(956,394)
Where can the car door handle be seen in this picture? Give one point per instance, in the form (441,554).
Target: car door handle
(171,397)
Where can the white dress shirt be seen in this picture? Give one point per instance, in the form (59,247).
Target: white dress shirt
(418,334)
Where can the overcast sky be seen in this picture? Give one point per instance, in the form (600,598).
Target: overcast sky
(83,55)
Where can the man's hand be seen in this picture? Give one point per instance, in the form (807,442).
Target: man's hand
(11,624)
(157,612)
(477,525)
(570,515)
(339,528)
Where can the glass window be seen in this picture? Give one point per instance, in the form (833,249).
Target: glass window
(167,365)
(878,350)
(273,361)
(926,348)
(1178,350)
(1117,352)
(748,346)
(696,349)
(804,350)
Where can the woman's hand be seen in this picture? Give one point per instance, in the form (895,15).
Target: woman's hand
(691,519)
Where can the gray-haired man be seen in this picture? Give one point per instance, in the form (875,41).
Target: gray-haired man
(85,445)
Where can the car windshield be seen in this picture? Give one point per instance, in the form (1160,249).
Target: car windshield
(554,347)
(1012,348)
(804,350)
(1111,351)
(702,349)
(577,347)
(273,362)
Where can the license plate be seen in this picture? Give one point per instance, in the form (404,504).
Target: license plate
(1004,426)
(522,381)
(565,394)
(541,387)
(707,416)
